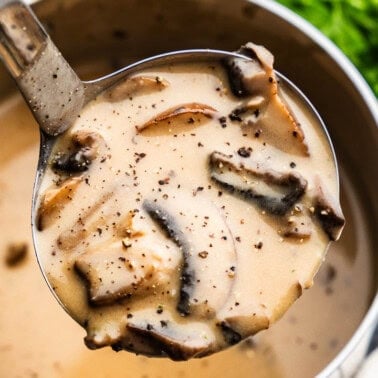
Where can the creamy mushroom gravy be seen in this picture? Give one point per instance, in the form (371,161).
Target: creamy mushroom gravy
(38,339)
(185,210)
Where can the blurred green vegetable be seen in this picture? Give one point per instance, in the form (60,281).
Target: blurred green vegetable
(351,24)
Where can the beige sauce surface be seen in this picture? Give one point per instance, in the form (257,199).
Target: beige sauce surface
(145,242)
(38,339)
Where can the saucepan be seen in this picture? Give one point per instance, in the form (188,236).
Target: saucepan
(99,36)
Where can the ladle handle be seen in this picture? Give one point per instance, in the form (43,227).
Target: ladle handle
(53,91)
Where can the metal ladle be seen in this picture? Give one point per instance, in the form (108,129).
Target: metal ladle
(54,92)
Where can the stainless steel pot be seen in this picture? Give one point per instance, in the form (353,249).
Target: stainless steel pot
(126,30)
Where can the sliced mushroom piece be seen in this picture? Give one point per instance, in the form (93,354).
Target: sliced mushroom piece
(251,77)
(167,223)
(82,150)
(277,126)
(275,120)
(113,272)
(179,118)
(111,331)
(187,276)
(248,320)
(135,86)
(125,228)
(297,224)
(139,344)
(180,342)
(273,191)
(237,327)
(128,261)
(230,336)
(54,200)
(328,211)
(260,53)
(209,261)
(88,222)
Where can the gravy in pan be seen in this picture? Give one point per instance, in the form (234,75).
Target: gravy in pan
(187,207)
(38,339)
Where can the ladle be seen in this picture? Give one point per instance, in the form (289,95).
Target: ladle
(56,95)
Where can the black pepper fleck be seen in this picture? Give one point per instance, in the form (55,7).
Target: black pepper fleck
(244,152)
(223,122)
(257,133)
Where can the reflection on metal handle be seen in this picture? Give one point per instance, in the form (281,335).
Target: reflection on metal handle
(21,37)
(53,91)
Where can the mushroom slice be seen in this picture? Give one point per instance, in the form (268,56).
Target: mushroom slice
(251,77)
(111,331)
(88,222)
(116,271)
(255,76)
(208,251)
(271,117)
(180,342)
(190,114)
(168,225)
(272,191)
(82,150)
(230,336)
(277,126)
(248,319)
(135,86)
(237,327)
(297,225)
(328,212)
(54,200)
